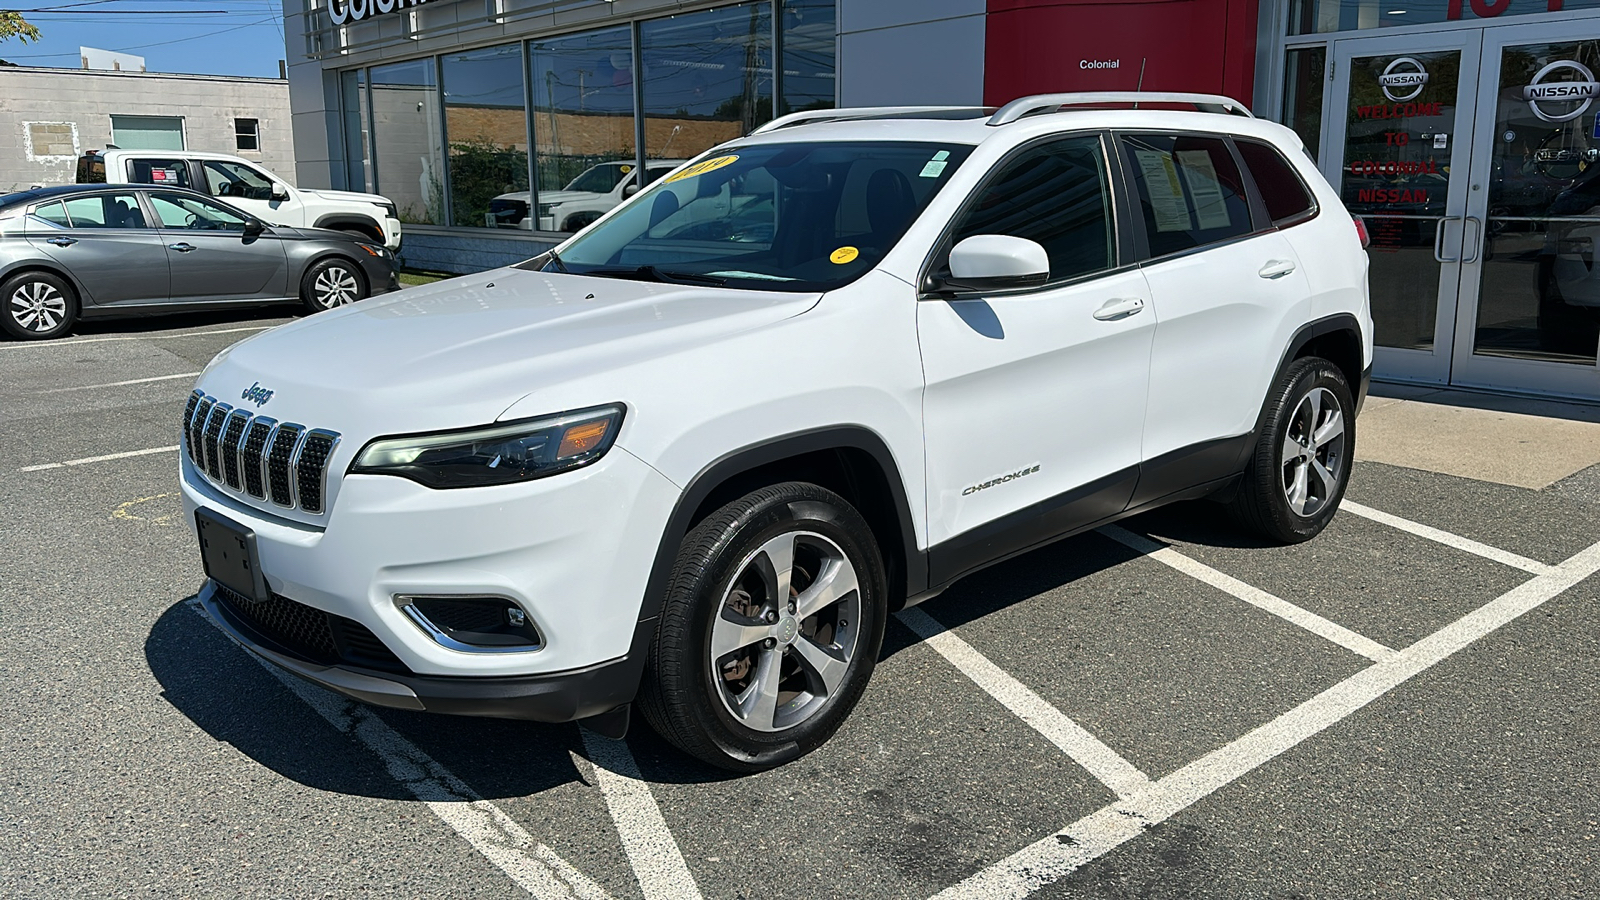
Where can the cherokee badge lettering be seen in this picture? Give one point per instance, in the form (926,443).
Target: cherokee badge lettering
(1020,473)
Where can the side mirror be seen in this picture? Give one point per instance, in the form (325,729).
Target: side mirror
(630,190)
(279,194)
(997,262)
(254,227)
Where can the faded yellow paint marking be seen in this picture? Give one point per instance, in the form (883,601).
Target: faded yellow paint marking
(125,511)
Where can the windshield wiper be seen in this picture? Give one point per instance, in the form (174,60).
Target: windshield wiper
(665,276)
(560,266)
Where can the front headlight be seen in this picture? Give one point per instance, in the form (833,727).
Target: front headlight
(375,250)
(505,453)
(389,210)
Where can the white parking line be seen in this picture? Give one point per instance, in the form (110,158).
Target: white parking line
(94,459)
(657,862)
(1083,748)
(532,865)
(132,337)
(90,387)
(1054,857)
(1449,540)
(1256,597)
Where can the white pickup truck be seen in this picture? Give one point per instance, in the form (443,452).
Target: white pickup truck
(249,187)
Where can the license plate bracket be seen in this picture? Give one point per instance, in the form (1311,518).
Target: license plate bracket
(228,553)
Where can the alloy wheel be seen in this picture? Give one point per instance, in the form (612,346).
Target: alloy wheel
(336,286)
(37,306)
(1313,457)
(786,631)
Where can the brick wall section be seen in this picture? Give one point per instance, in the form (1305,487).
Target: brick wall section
(64,100)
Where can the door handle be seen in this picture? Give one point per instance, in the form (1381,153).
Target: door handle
(62,241)
(1438,241)
(1477,238)
(182,247)
(1277,268)
(1119,308)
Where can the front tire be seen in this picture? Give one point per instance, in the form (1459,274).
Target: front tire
(332,283)
(1301,464)
(771,629)
(38,306)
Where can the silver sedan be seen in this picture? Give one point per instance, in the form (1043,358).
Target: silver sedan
(89,251)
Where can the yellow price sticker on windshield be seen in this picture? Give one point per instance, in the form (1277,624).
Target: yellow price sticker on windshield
(704,166)
(843,255)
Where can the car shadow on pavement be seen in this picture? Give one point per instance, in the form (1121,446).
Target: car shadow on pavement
(272,315)
(236,700)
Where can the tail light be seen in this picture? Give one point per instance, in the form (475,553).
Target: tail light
(1361,231)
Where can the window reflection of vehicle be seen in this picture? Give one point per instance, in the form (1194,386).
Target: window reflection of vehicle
(1568,283)
(595,192)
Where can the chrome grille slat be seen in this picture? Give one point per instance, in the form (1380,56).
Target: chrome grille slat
(232,434)
(283,463)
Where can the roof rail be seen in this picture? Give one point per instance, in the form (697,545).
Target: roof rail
(818,116)
(1213,103)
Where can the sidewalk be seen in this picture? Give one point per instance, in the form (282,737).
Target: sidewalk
(1535,444)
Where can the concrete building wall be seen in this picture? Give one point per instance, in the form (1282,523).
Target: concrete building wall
(911,52)
(49,116)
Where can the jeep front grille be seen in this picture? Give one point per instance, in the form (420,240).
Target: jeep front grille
(258,456)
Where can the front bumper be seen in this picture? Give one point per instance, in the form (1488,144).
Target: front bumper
(552,697)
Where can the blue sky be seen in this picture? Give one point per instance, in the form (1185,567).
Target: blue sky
(246,40)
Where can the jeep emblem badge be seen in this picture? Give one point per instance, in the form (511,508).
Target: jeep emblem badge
(257,394)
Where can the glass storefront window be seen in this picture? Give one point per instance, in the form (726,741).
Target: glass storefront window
(583,129)
(1540,292)
(810,54)
(1323,16)
(357,148)
(408,147)
(707,78)
(487,127)
(1302,94)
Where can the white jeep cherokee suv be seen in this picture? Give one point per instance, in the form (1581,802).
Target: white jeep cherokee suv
(692,459)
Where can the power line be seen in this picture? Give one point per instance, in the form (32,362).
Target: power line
(194,37)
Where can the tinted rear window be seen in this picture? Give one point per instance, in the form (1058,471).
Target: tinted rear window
(1286,195)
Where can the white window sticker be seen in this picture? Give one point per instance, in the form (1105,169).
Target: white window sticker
(1210,206)
(936,166)
(1166,192)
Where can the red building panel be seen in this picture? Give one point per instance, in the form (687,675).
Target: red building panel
(1042,46)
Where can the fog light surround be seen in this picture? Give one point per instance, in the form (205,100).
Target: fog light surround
(473,623)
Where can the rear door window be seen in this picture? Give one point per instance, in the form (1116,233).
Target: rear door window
(1189,190)
(1285,194)
(105,211)
(164,171)
(54,213)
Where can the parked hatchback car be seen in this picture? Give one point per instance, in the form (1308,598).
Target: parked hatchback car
(90,251)
(695,468)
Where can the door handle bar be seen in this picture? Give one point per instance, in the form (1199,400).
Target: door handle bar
(181,247)
(1277,268)
(1438,241)
(1477,239)
(62,241)
(1119,308)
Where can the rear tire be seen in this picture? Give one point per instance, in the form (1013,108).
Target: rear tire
(332,283)
(1301,464)
(740,675)
(38,306)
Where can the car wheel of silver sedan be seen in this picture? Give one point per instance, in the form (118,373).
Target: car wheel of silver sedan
(38,306)
(332,283)
(771,629)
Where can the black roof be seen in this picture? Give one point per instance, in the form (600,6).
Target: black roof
(37,194)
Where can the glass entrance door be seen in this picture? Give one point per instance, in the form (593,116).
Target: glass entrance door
(1529,315)
(1400,148)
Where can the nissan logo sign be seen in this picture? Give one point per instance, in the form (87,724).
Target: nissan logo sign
(1580,90)
(343,11)
(1403,80)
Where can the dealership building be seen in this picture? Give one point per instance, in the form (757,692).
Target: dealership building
(1465,132)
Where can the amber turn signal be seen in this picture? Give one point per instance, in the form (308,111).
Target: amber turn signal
(582,438)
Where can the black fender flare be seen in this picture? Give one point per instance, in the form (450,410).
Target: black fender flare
(343,220)
(745,459)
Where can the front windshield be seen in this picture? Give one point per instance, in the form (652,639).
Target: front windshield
(788,217)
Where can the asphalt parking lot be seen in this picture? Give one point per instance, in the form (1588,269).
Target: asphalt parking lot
(1404,707)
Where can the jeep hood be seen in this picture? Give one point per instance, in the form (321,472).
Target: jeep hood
(462,351)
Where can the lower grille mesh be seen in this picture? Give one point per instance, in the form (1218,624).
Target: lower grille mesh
(310,633)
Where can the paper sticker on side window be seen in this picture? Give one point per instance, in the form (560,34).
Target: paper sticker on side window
(1210,207)
(1166,192)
